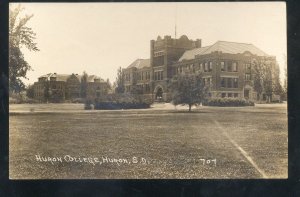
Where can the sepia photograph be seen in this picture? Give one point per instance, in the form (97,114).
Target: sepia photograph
(148,90)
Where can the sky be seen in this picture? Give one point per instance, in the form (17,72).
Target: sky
(101,37)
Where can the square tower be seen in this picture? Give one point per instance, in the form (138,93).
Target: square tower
(166,51)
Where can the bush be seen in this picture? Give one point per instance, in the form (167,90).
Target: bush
(120,101)
(228,102)
(78,100)
(88,104)
(16,98)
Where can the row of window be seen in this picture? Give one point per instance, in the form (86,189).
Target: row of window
(207,81)
(235,95)
(208,66)
(158,53)
(229,66)
(229,82)
(181,69)
(38,94)
(127,77)
(159,75)
(39,87)
(247,68)
(58,86)
(143,89)
(247,77)
(143,75)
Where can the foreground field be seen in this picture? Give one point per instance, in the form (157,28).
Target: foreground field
(63,141)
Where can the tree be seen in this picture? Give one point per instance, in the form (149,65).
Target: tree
(266,78)
(258,77)
(277,87)
(285,86)
(136,90)
(285,81)
(19,36)
(47,91)
(120,87)
(188,89)
(30,91)
(83,85)
(57,96)
(109,86)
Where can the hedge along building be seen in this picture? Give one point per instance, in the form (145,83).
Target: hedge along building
(55,87)
(226,66)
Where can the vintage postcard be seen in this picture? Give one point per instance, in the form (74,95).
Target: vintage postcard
(148,90)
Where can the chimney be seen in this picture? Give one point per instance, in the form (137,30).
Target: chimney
(151,52)
(198,43)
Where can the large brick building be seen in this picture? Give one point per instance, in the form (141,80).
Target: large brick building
(225,65)
(60,87)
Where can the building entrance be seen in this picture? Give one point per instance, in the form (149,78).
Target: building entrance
(159,94)
(246,94)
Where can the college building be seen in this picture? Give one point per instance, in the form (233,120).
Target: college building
(55,87)
(225,65)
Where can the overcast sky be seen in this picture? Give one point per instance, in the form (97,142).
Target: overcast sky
(100,37)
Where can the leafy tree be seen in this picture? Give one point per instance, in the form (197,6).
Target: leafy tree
(30,91)
(188,89)
(83,85)
(57,96)
(120,87)
(285,86)
(265,78)
(277,87)
(285,82)
(136,90)
(47,92)
(20,36)
(109,86)
(258,77)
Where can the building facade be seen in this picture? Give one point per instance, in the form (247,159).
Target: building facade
(55,87)
(226,66)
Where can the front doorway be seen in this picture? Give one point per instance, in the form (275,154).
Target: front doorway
(246,94)
(159,94)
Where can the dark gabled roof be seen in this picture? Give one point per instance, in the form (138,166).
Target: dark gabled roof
(140,63)
(46,75)
(60,77)
(224,47)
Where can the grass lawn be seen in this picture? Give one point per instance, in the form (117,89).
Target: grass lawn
(210,142)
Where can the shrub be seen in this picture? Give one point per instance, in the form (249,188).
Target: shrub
(228,102)
(78,100)
(122,101)
(88,104)
(20,98)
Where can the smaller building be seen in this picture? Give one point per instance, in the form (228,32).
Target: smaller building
(55,87)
